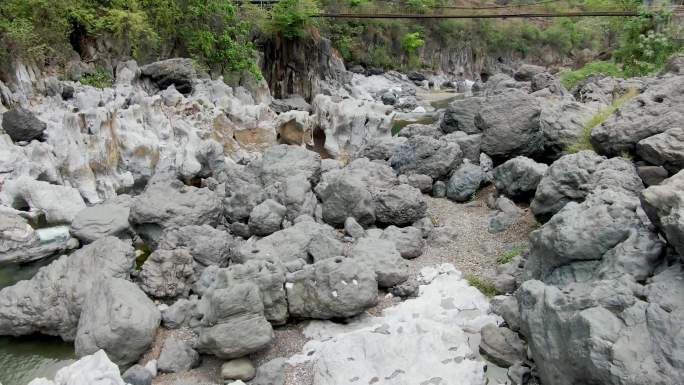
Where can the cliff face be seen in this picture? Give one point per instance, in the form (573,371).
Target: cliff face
(303,67)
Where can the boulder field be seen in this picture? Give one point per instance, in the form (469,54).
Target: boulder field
(171,205)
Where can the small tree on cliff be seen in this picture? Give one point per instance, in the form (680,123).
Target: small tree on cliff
(291,18)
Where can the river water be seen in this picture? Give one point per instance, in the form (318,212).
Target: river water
(23,359)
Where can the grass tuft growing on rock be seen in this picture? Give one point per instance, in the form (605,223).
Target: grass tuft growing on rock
(584,141)
(485,286)
(509,255)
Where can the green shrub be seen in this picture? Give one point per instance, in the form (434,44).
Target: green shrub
(291,18)
(584,141)
(570,78)
(99,79)
(483,285)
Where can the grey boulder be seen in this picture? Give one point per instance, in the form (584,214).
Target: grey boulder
(510,125)
(519,177)
(408,240)
(177,357)
(347,196)
(266,217)
(137,375)
(572,177)
(400,205)
(207,245)
(178,72)
(333,288)
(22,125)
(460,116)
(234,325)
(118,318)
(464,182)
(283,161)
(507,213)
(664,205)
(102,220)
(382,257)
(20,243)
(501,345)
(656,110)
(51,302)
(426,155)
(665,149)
(168,273)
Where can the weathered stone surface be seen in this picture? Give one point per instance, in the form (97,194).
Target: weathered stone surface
(382,257)
(507,213)
(333,288)
(102,220)
(177,357)
(168,273)
(57,204)
(347,196)
(266,217)
(419,333)
(283,161)
(664,205)
(501,345)
(167,205)
(20,243)
(519,176)
(271,373)
(408,240)
(603,332)
(506,306)
(305,240)
(296,195)
(464,182)
(665,149)
(652,175)
(469,144)
(460,116)
(603,237)
(22,125)
(118,318)
(527,71)
(421,182)
(427,156)
(562,123)
(400,205)
(510,125)
(573,177)
(353,228)
(51,302)
(207,245)
(381,148)
(238,369)
(418,129)
(137,375)
(178,72)
(656,110)
(234,325)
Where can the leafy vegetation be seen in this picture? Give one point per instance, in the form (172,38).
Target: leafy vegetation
(509,255)
(291,18)
(99,79)
(584,142)
(485,286)
(570,78)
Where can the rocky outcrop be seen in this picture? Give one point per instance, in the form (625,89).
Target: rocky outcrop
(519,176)
(573,177)
(51,302)
(332,288)
(460,116)
(427,156)
(381,256)
(20,243)
(56,204)
(178,72)
(99,221)
(665,149)
(664,205)
(118,318)
(400,205)
(510,125)
(464,182)
(177,357)
(22,125)
(167,273)
(656,110)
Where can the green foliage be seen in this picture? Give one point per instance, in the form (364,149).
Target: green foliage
(99,79)
(509,255)
(570,78)
(380,57)
(291,18)
(645,44)
(485,286)
(210,31)
(584,141)
(412,41)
